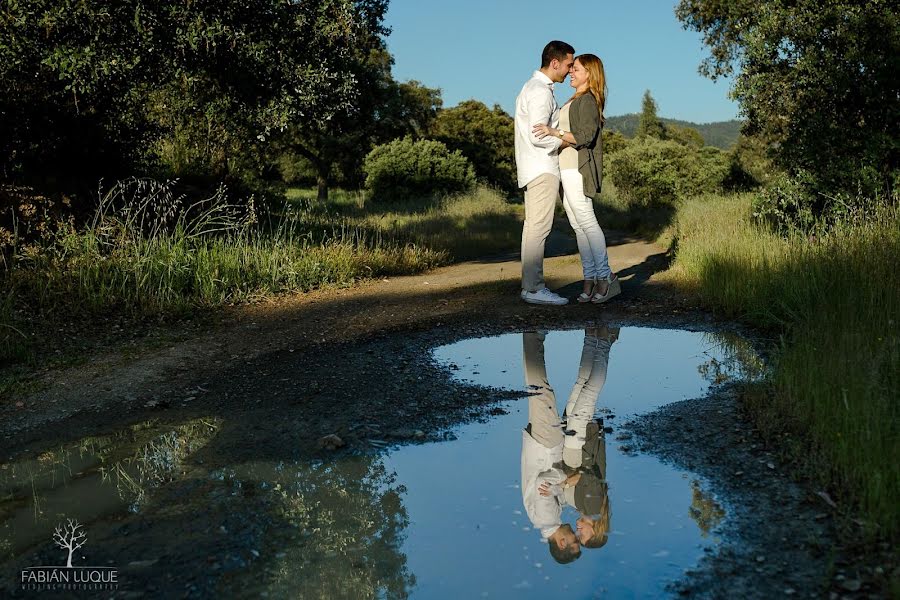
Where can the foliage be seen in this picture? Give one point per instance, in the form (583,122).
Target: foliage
(102,89)
(836,299)
(408,169)
(749,164)
(817,80)
(687,136)
(649,124)
(652,171)
(482,135)
(384,110)
(613,141)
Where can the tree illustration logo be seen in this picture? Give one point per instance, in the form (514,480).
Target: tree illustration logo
(69,537)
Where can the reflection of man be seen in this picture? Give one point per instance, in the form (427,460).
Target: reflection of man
(542,448)
(537,166)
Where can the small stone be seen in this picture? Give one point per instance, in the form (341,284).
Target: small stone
(140,564)
(789,591)
(330,442)
(760,559)
(852,585)
(419,434)
(20,404)
(770,465)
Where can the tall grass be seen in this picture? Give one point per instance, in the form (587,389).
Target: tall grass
(836,298)
(147,252)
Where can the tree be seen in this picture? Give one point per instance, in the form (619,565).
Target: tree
(482,135)
(816,80)
(649,124)
(129,87)
(68,537)
(383,110)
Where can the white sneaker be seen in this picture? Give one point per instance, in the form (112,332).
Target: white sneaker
(544,296)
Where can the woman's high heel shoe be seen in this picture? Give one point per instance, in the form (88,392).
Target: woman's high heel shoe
(613,288)
(585,297)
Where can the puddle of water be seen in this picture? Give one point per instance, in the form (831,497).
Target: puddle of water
(433,520)
(465,498)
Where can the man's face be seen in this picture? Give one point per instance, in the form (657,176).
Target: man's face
(567,540)
(562,67)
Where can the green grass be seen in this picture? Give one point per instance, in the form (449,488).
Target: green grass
(465,226)
(138,258)
(836,300)
(652,222)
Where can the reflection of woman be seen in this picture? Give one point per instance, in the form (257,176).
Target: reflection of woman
(581,168)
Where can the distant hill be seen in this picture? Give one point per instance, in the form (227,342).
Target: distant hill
(722,134)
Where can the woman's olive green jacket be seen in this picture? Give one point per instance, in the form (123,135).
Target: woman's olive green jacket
(584,119)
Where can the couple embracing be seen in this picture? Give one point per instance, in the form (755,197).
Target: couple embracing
(563,147)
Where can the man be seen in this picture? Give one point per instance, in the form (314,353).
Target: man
(542,450)
(537,166)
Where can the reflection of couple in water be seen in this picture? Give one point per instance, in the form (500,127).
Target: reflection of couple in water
(564,460)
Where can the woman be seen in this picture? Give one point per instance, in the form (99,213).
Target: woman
(581,169)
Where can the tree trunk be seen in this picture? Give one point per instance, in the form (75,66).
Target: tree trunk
(322,185)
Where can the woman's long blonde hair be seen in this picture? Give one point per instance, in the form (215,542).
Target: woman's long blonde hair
(596,81)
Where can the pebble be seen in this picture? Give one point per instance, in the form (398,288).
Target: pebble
(330,442)
(852,585)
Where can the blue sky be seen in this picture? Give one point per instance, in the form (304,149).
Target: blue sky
(486,49)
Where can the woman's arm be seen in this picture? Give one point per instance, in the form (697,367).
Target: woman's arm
(585,119)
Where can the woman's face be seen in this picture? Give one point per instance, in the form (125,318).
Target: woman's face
(579,75)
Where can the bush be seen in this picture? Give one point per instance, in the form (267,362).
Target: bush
(405,169)
(652,171)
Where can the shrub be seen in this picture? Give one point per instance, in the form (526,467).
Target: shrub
(651,171)
(405,169)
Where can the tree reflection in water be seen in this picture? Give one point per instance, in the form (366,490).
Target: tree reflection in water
(704,510)
(329,530)
(342,530)
(740,362)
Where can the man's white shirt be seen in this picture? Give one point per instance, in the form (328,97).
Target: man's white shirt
(544,512)
(536,104)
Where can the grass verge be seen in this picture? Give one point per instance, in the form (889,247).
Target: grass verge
(836,300)
(146,254)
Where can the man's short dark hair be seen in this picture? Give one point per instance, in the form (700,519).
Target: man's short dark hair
(555,50)
(567,555)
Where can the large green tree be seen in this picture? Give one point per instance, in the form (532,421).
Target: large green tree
(816,78)
(383,110)
(102,88)
(484,136)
